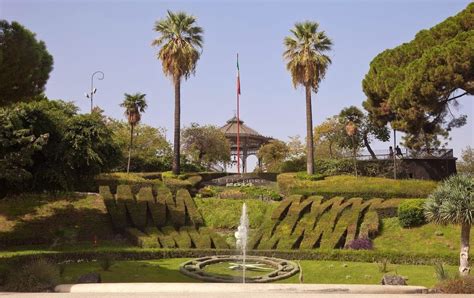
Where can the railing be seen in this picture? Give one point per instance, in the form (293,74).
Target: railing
(406,153)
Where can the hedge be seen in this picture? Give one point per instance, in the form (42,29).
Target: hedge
(308,223)
(350,186)
(370,226)
(157,253)
(136,181)
(191,208)
(410,213)
(116,210)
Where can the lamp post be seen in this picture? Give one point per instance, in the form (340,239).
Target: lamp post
(94,90)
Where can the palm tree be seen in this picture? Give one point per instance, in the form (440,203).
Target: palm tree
(134,105)
(180,42)
(307,64)
(453,203)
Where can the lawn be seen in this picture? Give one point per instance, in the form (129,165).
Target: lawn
(367,187)
(325,272)
(429,238)
(225,213)
(40,218)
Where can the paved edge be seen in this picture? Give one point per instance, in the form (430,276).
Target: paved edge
(210,288)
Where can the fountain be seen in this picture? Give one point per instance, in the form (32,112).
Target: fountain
(279,269)
(241,237)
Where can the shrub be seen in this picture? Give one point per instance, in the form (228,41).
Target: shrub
(410,213)
(306,176)
(382,265)
(360,243)
(441,273)
(460,285)
(207,192)
(261,193)
(106,262)
(35,276)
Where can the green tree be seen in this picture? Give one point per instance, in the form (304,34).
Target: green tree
(414,85)
(296,147)
(152,152)
(327,138)
(17,146)
(134,105)
(366,130)
(205,145)
(77,148)
(272,155)
(453,203)
(25,64)
(466,165)
(89,148)
(307,64)
(180,43)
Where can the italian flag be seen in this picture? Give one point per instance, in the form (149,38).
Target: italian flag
(238,76)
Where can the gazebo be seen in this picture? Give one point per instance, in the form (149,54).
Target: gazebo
(250,141)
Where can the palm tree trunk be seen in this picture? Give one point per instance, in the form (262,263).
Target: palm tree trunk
(177,126)
(464,255)
(309,134)
(367,145)
(130,148)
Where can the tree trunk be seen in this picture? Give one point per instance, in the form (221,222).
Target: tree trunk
(309,133)
(330,150)
(464,255)
(177,126)
(130,148)
(354,152)
(367,145)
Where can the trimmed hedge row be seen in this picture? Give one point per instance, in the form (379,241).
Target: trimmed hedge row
(350,186)
(145,210)
(157,253)
(308,223)
(169,237)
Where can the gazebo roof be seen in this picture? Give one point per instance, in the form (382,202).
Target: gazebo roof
(230,129)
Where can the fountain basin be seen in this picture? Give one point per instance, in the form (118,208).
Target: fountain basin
(278,269)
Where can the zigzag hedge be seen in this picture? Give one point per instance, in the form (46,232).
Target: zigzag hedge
(307,223)
(152,218)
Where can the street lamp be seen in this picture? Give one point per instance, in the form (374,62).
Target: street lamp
(94,90)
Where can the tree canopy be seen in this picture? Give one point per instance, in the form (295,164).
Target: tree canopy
(152,152)
(205,145)
(414,85)
(272,155)
(365,132)
(25,64)
(50,146)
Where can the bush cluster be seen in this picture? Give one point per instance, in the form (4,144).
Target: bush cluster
(460,285)
(36,275)
(410,213)
(310,254)
(360,243)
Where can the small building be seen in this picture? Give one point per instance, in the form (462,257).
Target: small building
(250,141)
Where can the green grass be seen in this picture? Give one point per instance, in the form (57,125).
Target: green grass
(40,218)
(419,239)
(225,213)
(323,272)
(361,186)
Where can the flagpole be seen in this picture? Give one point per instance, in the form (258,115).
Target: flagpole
(238,116)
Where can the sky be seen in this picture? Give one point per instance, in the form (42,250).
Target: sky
(115,37)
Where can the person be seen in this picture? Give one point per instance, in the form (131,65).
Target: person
(399,151)
(390,151)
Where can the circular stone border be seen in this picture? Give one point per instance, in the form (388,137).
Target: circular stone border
(195,269)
